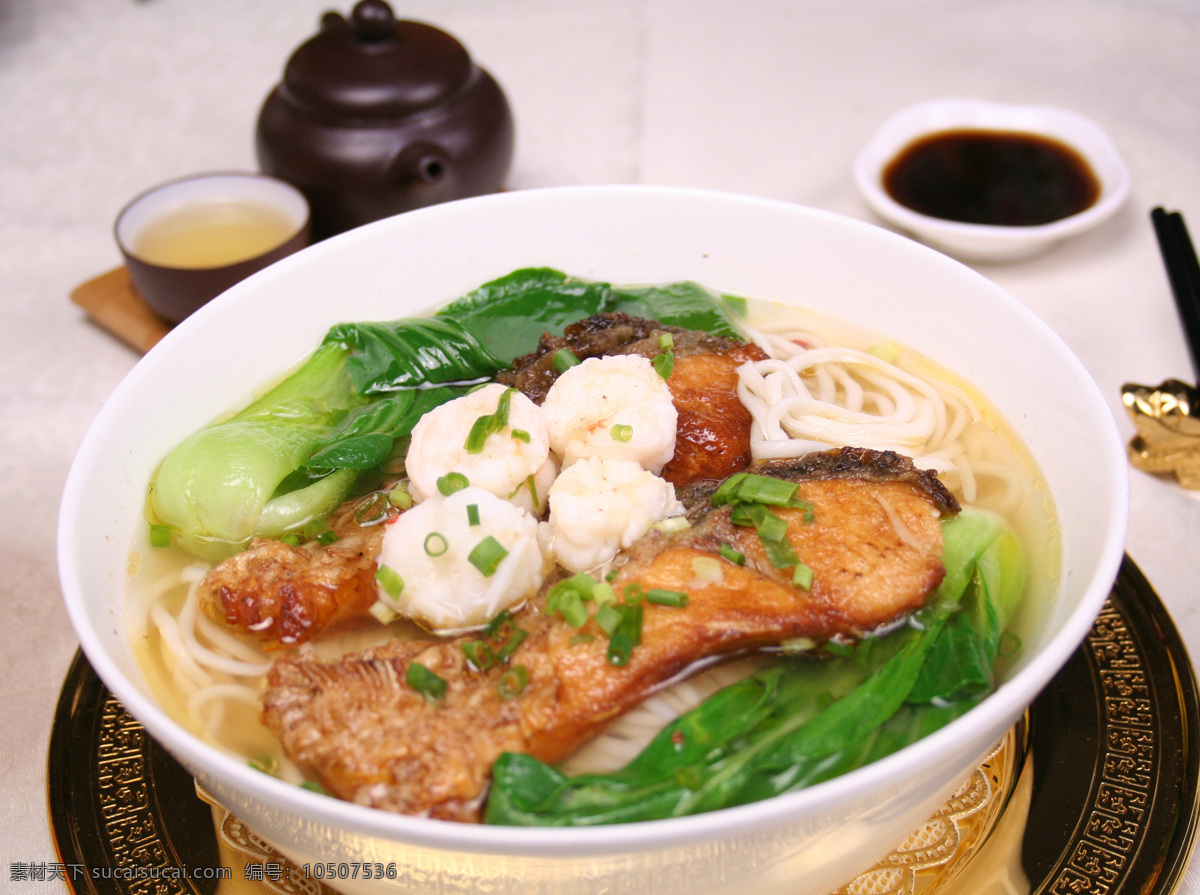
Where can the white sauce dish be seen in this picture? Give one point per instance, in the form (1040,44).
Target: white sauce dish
(948,221)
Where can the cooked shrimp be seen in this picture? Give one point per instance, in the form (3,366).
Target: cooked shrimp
(614,407)
(512,461)
(443,580)
(598,507)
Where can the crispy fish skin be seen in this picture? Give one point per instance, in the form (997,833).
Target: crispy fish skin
(712,433)
(875,549)
(286,595)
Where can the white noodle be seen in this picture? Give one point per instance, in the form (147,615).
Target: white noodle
(181,661)
(903,532)
(202,654)
(809,397)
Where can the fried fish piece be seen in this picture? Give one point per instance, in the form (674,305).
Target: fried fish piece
(874,545)
(713,430)
(285,594)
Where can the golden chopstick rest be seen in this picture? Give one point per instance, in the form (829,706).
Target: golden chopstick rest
(1167,420)
(1167,417)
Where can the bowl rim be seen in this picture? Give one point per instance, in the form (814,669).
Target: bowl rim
(1067,126)
(1011,698)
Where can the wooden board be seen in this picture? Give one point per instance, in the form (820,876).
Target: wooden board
(112,302)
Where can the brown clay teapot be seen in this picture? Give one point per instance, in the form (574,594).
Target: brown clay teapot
(375,116)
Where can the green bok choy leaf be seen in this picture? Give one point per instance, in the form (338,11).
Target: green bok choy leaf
(296,452)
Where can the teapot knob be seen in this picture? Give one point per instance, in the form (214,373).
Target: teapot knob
(372,20)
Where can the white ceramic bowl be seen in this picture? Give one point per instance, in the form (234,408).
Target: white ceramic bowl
(803,843)
(981,242)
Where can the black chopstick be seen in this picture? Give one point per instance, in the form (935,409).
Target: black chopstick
(1183,271)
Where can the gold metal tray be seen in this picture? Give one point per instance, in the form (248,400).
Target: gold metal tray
(1095,791)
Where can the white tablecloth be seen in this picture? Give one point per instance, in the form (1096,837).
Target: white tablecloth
(102,98)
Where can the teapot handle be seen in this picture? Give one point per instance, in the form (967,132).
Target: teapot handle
(420,161)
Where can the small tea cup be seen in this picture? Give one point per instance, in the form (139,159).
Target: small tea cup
(186,241)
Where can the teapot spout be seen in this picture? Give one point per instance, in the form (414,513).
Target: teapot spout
(422,162)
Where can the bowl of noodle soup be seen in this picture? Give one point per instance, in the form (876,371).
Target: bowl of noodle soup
(921,355)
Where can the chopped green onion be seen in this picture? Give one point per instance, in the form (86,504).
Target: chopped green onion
(660,597)
(479,654)
(473,514)
(530,483)
(736,557)
(487,555)
(513,682)
(564,359)
(772,532)
(389,579)
(383,613)
(327,537)
(603,593)
(608,617)
(498,626)
(707,570)
(633,593)
(424,681)
(478,435)
(797,645)
(769,526)
(1010,644)
(631,624)
(666,341)
(620,647)
(290,538)
(672,524)
(803,576)
(436,544)
(160,536)
(573,610)
(503,630)
(490,423)
(400,496)
(264,763)
(780,553)
(581,638)
(623,625)
(581,584)
(621,432)
(451,482)
(510,646)
(314,786)
(521,435)
(749,487)
(664,364)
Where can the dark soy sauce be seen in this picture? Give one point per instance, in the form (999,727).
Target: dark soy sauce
(991,177)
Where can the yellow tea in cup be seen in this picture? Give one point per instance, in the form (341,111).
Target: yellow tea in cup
(213,234)
(187,241)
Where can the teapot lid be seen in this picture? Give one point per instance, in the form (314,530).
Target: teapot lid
(374,66)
